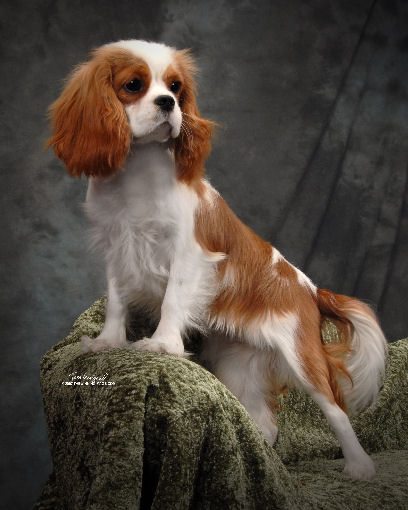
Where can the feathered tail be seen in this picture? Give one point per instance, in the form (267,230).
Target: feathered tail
(362,334)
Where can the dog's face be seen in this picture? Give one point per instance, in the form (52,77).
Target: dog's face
(129,92)
(150,87)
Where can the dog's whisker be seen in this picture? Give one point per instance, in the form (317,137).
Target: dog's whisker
(186,129)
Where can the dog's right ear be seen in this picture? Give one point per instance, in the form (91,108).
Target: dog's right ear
(193,145)
(91,133)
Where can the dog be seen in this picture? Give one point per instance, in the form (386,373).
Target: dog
(128,120)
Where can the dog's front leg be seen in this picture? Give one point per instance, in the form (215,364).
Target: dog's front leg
(167,337)
(183,303)
(113,334)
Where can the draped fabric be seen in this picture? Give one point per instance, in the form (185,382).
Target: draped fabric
(317,161)
(157,431)
(347,218)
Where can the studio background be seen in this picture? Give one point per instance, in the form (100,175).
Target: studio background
(311,98)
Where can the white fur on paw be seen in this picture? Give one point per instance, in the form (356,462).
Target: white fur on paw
(98,344)
(363,469)
(160,346)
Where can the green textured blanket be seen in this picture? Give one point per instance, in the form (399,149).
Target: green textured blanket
(132,429)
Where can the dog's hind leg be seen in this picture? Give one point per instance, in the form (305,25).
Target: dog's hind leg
(358,464)
(320,381)
(244,371)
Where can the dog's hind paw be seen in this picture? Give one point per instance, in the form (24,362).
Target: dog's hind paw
(361,469)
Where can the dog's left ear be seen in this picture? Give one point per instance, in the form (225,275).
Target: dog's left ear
(193,145)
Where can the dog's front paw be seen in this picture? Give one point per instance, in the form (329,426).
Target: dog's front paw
(162,346)
(100,344)
(363,469)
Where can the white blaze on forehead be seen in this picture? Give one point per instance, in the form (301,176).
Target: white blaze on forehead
(157,56)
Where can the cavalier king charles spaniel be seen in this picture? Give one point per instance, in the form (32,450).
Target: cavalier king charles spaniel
(128,120)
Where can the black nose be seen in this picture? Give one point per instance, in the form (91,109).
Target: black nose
(166,103)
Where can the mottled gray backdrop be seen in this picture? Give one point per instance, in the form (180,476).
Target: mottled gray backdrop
(312,153)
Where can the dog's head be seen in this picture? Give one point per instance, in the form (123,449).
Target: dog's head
(129,92)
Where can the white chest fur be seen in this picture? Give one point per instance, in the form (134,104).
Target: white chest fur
(140,217)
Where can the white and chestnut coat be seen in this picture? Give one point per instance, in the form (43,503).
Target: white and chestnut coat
(128,120)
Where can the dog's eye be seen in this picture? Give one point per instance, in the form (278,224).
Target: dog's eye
(175,86)
(134,86)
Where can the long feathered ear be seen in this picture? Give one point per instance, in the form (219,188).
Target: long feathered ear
(91,134)
(193,145)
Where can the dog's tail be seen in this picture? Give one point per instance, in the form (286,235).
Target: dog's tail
(360,334)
